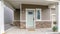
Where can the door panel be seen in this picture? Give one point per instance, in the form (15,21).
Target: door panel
(30,19)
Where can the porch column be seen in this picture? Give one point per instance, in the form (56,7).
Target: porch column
(20,10)
(58,15)
(1,17)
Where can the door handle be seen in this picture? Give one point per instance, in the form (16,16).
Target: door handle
(33,18)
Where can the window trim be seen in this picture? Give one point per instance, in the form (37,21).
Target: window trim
(36,14)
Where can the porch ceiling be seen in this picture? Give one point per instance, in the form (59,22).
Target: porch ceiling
(16,3)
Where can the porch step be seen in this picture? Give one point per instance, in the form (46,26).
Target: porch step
(31,29)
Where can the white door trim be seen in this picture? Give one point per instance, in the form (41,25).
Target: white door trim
(33,16)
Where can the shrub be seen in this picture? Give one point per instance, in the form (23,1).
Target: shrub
(54,28)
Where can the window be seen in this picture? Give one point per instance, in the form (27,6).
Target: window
(30,12)
(38,14)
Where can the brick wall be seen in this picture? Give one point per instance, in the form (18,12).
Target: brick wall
(44,24)
(23,25)
(39,24)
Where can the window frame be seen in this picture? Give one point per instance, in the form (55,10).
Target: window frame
(37,15)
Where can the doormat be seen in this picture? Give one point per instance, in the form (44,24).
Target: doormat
(30,29)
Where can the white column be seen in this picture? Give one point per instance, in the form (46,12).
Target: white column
(20,11)
(1,18)
(58,15)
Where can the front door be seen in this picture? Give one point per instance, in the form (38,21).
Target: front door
(30,18)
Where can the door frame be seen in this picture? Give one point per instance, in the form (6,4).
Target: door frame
(33,16)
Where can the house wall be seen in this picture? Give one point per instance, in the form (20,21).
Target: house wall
(45,16)
(53,11)
(8,5)
(8,16)
(17,17)
(45,11)
(17,14)
(43,24)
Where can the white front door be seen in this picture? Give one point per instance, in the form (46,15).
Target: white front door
(30,18)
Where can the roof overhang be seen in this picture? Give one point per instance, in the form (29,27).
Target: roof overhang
(16,3)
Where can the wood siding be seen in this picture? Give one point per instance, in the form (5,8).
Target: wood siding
(39,24)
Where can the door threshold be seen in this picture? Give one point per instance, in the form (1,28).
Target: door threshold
(31,29)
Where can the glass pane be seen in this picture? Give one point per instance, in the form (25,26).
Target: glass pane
(30,13)
(38,14)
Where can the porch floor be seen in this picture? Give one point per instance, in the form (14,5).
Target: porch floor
(15,30)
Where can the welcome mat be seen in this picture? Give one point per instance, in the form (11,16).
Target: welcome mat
(31,29)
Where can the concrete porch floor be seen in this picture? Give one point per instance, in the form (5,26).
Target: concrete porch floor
(15,30)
